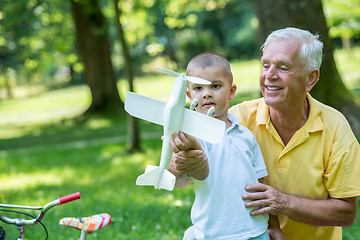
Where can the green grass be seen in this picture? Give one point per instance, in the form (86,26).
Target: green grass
(348,65)
(106,179)
(45,154)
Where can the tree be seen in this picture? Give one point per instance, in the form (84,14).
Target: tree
(94,49)
(133,136)
(29,52)
(225,26)
(309,15)
(343,20)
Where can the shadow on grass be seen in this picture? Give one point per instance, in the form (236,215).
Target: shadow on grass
(70,131)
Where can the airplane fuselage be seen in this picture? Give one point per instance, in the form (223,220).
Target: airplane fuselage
(173,115)
(174,118)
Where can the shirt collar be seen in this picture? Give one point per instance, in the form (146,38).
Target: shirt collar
(234,122)
(263,114)
(314,122)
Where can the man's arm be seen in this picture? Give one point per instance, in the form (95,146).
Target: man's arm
(327,212)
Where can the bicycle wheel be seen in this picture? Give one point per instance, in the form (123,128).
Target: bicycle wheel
(2,233)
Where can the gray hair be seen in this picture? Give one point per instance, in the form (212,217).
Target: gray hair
(311,48)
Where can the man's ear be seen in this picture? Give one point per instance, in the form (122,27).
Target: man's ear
(313,77)
(232,91)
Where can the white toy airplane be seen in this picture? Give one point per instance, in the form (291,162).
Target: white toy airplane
(174,117)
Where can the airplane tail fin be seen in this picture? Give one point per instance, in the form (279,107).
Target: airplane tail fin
(158,177)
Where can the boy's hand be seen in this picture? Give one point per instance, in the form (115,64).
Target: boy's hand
(276,234)
(183,142)
(274,230)
(188,159)
(187,162)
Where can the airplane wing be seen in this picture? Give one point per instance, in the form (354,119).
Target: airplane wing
(145,108)
(202,126)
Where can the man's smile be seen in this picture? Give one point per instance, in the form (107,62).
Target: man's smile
(273,88)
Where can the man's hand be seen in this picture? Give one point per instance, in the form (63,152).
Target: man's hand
(317,212)
(265,198)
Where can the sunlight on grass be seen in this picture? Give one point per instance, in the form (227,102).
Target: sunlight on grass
(137,158)
(98,123)
(11,132)
(348,65)
(21,181)
(45,107)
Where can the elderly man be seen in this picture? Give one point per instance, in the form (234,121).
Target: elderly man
(311,154)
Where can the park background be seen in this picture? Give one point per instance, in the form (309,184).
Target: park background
(65,67)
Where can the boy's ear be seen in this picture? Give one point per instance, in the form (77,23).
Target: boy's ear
(232,91)
(188,94)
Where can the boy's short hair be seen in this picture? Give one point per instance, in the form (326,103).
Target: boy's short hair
(209,59)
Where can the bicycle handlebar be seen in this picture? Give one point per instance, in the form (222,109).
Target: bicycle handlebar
(43,209)
(69,198)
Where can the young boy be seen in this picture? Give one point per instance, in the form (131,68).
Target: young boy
(218,211)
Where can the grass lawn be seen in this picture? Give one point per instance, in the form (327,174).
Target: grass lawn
(105,178)
(44,154)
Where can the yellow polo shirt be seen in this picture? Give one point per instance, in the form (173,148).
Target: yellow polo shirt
(321,160)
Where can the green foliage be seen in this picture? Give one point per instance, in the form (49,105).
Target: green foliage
(41,49)
(226,27)
(36,41)
(343,18)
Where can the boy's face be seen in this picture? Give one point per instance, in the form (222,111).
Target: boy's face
(217,94)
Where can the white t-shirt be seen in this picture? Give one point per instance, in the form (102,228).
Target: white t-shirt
(218,211)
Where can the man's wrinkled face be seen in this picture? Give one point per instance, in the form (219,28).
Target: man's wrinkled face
(283,76)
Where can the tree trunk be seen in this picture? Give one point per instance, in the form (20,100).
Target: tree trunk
(94,50)
(133,134)
(309,15)
(8,86)
(346,44)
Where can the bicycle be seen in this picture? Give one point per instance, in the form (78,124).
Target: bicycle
(86,225)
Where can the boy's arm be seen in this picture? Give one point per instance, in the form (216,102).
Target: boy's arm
(185,161)
(274,229)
